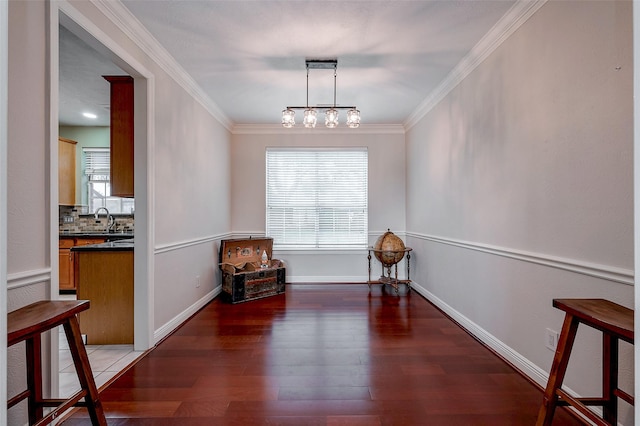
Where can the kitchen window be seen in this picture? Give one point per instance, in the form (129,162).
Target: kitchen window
(317,198)
(98,185)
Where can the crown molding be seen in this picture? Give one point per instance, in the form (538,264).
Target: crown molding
(117,13)
(519,13)
(277,129)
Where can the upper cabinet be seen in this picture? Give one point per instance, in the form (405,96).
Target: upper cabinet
(66,172)
(121,135)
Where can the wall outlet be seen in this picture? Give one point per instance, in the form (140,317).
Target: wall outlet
(551,339)
(197,281)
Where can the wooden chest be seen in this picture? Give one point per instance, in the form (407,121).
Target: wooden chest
(245,274)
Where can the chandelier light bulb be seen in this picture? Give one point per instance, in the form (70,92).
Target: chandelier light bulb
(288,118)
(331,118)
(353,118)
(310,118)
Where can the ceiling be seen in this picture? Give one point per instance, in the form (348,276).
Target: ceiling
(81,86)
(248,57)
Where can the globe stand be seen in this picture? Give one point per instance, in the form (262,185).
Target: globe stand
(386,277)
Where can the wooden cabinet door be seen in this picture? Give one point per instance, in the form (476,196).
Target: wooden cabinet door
(66,172)
(121,135)
(66,260)
(65,263)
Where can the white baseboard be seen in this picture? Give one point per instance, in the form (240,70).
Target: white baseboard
(523,364)
(326,279)
(176,321)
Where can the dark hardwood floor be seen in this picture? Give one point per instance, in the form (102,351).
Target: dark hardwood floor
(322,355)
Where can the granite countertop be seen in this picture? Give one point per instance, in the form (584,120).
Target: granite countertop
(119,245)
(85,234)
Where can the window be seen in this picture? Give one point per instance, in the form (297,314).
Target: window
(317,198)
(96,168)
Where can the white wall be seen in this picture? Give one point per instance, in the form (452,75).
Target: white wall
(187,171)
(28,257)
(192,181)
(520,187)
(386,154)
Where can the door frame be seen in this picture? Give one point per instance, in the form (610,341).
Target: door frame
(4,88)
(64,13)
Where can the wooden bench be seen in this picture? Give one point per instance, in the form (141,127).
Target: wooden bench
(616,323)
(27,324)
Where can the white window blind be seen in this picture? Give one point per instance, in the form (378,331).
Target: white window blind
(317,198)
(98,184)
(97,161)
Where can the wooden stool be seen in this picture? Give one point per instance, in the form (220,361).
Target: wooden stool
(615,322)
(27,324)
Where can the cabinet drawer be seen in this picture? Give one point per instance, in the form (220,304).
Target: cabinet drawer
(87,241)
(65,243)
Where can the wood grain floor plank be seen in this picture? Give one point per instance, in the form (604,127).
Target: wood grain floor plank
(330,355)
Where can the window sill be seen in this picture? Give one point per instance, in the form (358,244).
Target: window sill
(320,251)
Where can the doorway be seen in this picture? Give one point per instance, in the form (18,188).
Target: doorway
(66,20)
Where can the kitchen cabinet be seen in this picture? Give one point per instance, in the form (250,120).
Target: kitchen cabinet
(105,278)
(121,110)
(66,257)
(66,172)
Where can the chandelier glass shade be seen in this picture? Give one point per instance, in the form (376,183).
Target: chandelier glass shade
(310,118)
(288,118)
(331,115)
(353,118)
(331,118)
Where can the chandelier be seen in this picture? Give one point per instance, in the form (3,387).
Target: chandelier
(310,116)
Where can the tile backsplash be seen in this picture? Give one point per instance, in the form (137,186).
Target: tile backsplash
(78,219)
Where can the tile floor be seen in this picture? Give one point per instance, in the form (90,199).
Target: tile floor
(106,361)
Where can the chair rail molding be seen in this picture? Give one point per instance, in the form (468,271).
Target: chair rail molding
(178,245)
(605,272)
(26,278)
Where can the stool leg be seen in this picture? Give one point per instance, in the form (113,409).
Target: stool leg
(83,368)
(558,370)
(609,378)
(34,378)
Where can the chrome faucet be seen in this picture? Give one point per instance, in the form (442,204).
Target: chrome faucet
(110,219)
